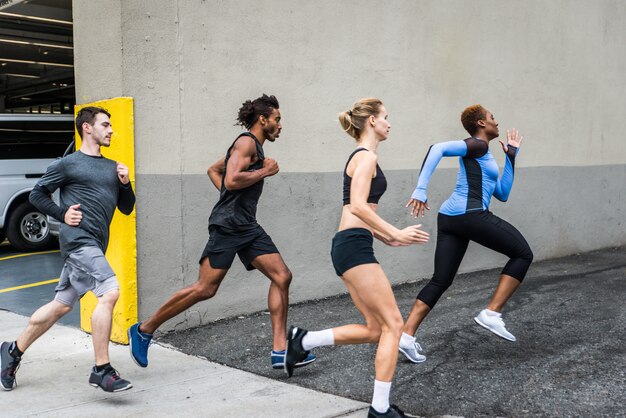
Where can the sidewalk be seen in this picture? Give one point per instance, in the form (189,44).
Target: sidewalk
(52,381)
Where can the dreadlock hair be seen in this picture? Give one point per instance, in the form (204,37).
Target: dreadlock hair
(250,110)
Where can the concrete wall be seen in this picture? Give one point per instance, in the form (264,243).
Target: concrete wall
(554,70)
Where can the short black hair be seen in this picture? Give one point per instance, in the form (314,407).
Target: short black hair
(250,110)
(470,117)
(88,114)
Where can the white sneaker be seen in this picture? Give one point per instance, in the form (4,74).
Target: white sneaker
(495,324)
(412,351)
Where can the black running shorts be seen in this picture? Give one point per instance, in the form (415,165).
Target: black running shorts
(352,247)
(248,245)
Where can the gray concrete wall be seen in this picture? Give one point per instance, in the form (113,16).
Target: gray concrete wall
(554,70)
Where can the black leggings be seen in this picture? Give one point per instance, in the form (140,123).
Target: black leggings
(453,236)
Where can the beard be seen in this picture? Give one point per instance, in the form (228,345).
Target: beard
(271,134)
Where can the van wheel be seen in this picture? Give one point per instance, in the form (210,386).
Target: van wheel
(2,237)
(28,229)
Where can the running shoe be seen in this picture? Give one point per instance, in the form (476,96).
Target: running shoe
(412,351)
(278,360)
(9,366)
(108,380)
(392,412)
(494,323)
(138,343)
(294,353)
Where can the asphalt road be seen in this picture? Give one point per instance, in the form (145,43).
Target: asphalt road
(570,359)
(26,281)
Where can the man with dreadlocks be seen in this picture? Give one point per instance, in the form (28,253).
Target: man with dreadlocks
(233,229)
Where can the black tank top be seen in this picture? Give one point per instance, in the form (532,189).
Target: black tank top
(236,209)
(377,188)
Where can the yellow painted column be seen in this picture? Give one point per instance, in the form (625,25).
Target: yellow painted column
(122,250)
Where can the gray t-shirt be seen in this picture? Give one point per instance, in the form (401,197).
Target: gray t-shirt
(92,182)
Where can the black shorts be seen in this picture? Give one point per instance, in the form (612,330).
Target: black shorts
(352,247)
(248,245)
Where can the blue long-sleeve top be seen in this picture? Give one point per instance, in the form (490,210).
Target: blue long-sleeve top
(477,179)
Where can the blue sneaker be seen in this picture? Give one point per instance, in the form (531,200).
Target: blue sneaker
(278,359)
(139,342)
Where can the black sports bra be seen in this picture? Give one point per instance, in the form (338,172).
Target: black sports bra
(377,188)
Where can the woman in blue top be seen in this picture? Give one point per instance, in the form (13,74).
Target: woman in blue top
(465,217)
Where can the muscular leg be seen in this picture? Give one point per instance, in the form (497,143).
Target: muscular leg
(505,289)
(275,269)
(374,298)
(101,325)
(40,322)
(418,312)
(358,333)
(209,280)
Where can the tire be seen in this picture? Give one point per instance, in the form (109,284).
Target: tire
(2,237)
(28,229)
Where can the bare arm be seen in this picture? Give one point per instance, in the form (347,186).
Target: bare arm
(216,171)
(385,240)
(359,190)
(241,155)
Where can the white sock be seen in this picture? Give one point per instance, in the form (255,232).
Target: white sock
(492,313)
(314,339)
(406,340)
(380,400)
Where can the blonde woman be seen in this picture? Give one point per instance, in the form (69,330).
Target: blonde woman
(354,261)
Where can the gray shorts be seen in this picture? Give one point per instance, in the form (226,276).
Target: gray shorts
(84,270)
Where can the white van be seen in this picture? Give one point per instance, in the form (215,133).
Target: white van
(28,144)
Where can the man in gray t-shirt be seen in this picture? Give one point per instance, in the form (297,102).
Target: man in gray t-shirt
(90,188)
